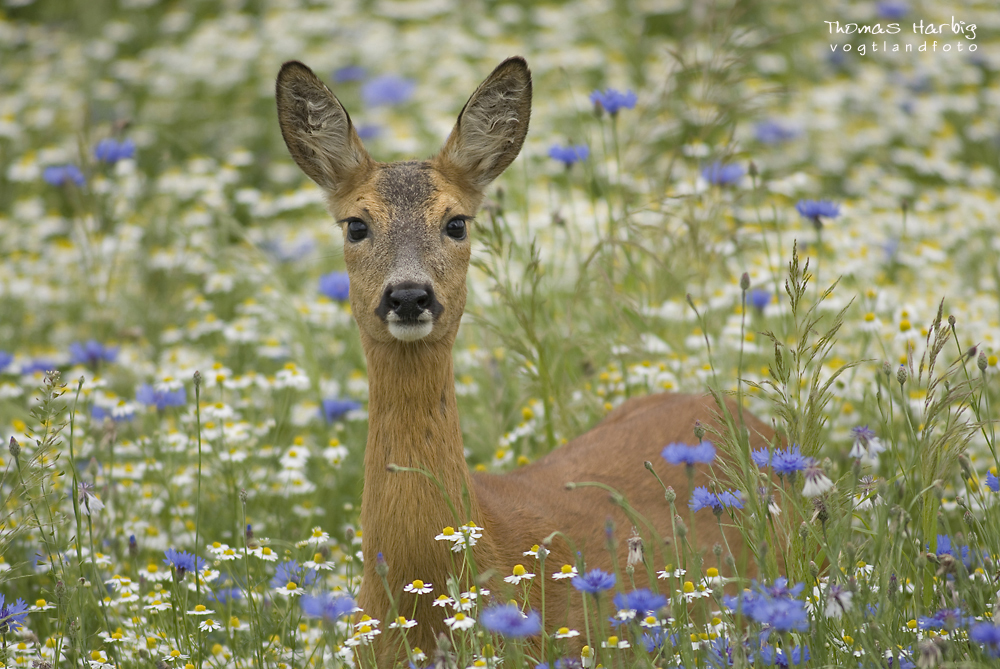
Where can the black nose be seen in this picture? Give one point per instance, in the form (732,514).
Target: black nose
(408,300)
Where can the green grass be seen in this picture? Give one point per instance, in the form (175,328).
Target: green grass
(613,278)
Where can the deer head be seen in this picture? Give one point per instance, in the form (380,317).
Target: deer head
(405,224)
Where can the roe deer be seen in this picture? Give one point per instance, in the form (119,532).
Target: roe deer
(406,246)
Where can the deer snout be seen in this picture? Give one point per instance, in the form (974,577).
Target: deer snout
(409,302)
(409,310)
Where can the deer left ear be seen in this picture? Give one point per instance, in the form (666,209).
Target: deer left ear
(492,126)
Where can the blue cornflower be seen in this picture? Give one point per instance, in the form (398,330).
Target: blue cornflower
(335,285)
(507,619)
(62,175)
(5,360)
(161,398)
(12,615)
(772,132)
(613,101)
(991,480)
(891,9)
(780,589)
(368,131)
(759,298)
(785,615)
(334,409)
(293,572)
(815,210)
(111,150)
(684,454)
(945,619)
(41,365)
(91,353)
(719,174)
(788,461)
(703,498)
(223,590)
(387,89)
(182,562)
(771,656)
(761,457)
(349,73)
(328,606)
(988,635)
(641,601)
(594,581)
(568,155)
(654,639)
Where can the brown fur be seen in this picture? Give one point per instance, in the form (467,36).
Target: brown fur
(413,417)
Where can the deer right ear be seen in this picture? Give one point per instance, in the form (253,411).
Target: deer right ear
(492,126)
(317,129)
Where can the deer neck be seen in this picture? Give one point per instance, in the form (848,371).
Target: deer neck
(413,422)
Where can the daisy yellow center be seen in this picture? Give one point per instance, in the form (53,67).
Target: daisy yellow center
(991,361)
(650,620)
(563,630)
(566,569)
(716,621)
(175,653)
(234,622)
(317,532)
(365,629)
(448,531)
(688,587)
(40,603)
(401,620)
(290,585)
(460,616)
(265,551)
(200,608)
(117,636)
(612,641)
(318,557)
(519,570)
(904,325)
(216,544)
(712,572)
(95,655)
(417,584)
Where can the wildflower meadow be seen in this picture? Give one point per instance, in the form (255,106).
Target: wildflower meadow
(791,206)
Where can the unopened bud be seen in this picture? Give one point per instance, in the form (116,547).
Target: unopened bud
(803,530)
(966,464)
(886,368)
(14,448)
(813,569)
(699,430)
(669,494)
(981,361)
(197,379)
(680,527)
(902,374)
(745,282)
(717,550)
(381,566)
(753,169)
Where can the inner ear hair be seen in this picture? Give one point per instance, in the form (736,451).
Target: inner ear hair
(492,126)
(317,129)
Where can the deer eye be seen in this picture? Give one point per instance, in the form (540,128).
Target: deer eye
(356,229)
(456,229)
